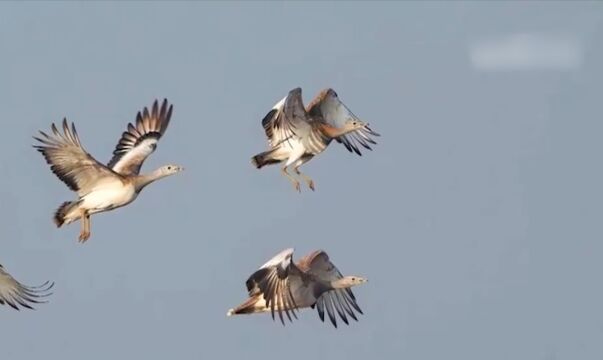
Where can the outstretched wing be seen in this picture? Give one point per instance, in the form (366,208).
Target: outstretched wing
(341,300)
(68,159)
(13,293)
(287,119)
(274,281)
(335,113)
(140,140)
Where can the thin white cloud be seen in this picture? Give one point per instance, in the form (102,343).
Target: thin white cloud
(527,52)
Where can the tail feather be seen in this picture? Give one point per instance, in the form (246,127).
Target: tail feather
(263,159)
(62,211)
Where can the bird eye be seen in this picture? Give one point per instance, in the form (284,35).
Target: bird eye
(169,168)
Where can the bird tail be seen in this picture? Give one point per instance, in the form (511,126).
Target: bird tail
(62,211)
(263,159)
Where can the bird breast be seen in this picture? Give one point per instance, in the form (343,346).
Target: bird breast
(109,195)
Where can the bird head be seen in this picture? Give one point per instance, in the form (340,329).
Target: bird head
(353,123)
(355,280)
(170,169)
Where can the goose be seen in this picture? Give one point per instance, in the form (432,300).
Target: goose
(297,134)
(105,187)
(284,286)
(13,293)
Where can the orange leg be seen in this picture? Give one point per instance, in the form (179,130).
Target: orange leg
(85,230)
(291,178)
(306,178)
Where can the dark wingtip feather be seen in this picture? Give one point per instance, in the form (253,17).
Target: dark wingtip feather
(155,110)
(371,131)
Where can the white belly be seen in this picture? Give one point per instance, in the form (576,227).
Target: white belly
(291,150)
(291,144)
(109,196)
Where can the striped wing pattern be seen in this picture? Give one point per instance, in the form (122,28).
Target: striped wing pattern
(15,294)
(140,139)
(68,160)
(341,301)
(286,119)
(273,281)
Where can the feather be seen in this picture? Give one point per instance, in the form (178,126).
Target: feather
(69,161)
(140,139)
(13,293)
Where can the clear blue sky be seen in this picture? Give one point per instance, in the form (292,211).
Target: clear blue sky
(477,218)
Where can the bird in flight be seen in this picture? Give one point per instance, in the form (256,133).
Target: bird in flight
(105,187)
(13,293)
(297,134)
(281,285)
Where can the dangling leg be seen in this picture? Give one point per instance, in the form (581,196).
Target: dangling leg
(82,225)
(306,178)
(85,229)
(291,178)
(293,158)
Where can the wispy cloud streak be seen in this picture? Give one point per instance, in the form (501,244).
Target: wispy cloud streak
(526,51)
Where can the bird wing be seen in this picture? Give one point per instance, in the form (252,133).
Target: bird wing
(274,281)
(69,161)
(286,119)
(335,114)
(14,293)
(140,140)
(341,300)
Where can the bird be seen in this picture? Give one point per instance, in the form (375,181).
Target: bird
(297,134)
(13,293)
(280,285)
(101,187)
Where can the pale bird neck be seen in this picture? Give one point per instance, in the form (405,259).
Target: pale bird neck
(143,180)
(342,283)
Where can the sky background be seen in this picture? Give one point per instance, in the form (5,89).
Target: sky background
(477,218)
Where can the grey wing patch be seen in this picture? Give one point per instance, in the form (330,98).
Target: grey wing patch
(341,302)
(335,113)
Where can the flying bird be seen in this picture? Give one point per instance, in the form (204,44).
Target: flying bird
(13,293)
(105,187)
(297,134)
(281,285)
